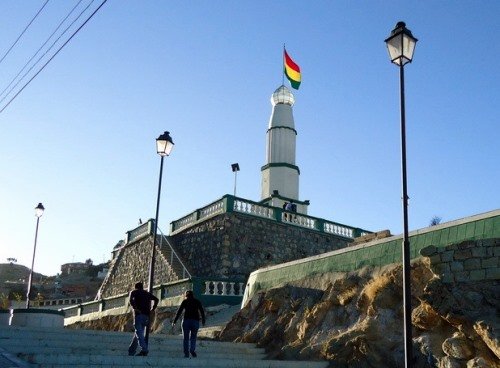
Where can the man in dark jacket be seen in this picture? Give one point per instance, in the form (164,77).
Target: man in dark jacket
(140,300)
(191,322)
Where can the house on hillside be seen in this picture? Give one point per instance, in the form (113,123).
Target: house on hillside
(75,267)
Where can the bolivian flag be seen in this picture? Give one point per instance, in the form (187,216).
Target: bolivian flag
(292,71)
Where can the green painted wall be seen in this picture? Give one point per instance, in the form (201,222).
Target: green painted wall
(377,253)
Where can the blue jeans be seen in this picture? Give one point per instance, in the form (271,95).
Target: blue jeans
(140,323)
(190,329)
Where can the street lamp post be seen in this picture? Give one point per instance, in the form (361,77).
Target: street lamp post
(235,167)
(401,45)
(38,213)
(164,145)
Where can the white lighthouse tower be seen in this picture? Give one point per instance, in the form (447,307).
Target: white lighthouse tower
(280,174)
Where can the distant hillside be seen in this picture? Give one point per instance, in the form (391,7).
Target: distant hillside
(14,272)
(82,284)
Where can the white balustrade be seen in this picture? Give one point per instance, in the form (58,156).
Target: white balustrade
(263,211)
(300,220)
(252,209)
(185,221)
(231,289)
(138,232)
(224,288)
(213,209)
(338,230)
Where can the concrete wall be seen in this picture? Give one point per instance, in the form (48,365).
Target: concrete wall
(233,245)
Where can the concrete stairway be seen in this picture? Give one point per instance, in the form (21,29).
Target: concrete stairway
(36,347)
(217,321)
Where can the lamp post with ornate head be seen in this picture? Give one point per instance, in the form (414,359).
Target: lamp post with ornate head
(401,45)
(164,145)
(38,213)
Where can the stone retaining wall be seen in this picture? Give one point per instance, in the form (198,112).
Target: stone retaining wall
(132,265)
(227,246)
(467,261)
(234,245)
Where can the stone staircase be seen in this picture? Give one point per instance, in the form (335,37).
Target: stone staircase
(39,347)
(167,251)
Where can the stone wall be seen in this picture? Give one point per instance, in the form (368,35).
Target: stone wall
(131,265)
(233,245)
(466,261)
(227,246)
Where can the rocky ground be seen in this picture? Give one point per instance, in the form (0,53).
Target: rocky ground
(355,320)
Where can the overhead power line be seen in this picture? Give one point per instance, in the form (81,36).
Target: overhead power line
(24,30)
(41,47)
(53,56)
(42,56)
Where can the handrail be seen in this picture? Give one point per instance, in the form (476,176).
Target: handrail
(185,272)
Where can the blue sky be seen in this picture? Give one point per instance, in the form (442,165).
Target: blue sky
(81,137)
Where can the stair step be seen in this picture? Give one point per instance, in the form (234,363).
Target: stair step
(71,358)
(68,348)
(123,350)
(19,345)
(101,336)
(162,362)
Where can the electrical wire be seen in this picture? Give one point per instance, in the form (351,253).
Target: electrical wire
(53,56)
(45,53)
(41,47)
(25,29)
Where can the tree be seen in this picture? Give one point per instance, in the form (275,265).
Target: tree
(89,262)
(4,301)
(436,220)
(15,296)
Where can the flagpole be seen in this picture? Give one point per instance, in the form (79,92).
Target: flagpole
(283,67)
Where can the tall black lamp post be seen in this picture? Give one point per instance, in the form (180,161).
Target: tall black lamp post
(164,145)
(38,213)
(401,45)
